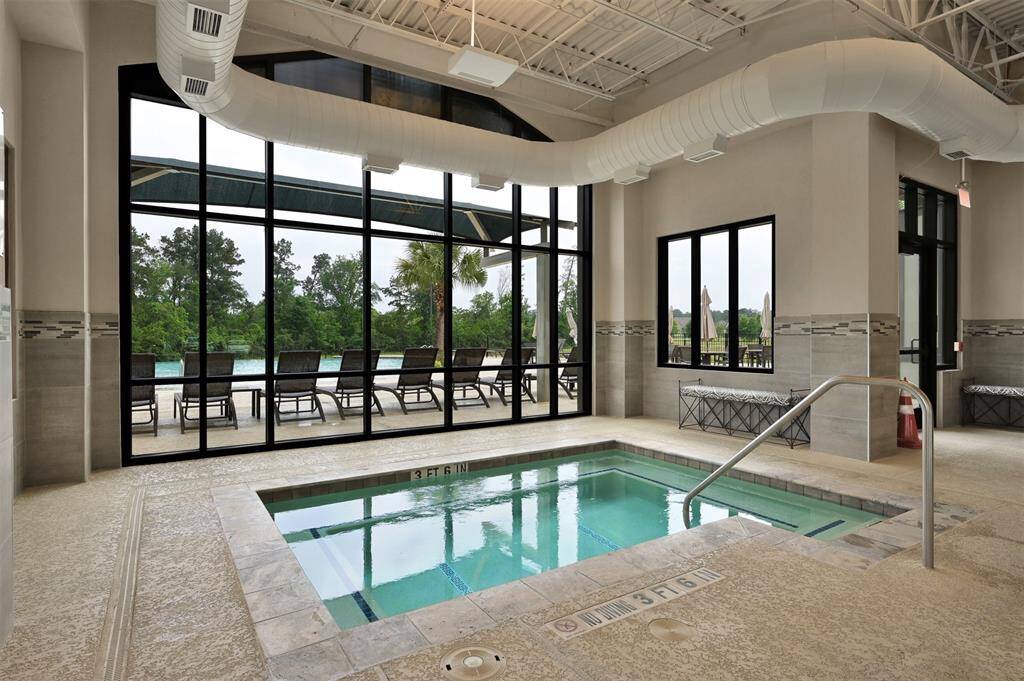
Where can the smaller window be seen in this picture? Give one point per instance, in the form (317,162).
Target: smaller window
(332,75)
(399,91)
(716,297)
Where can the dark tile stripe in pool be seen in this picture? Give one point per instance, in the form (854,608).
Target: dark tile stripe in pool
(702,496)
(357,596)
(829,526)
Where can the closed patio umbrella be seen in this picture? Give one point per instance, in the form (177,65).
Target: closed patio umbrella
(707,320)
(571,320)
(766,317)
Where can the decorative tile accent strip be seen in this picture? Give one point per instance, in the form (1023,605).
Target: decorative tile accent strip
(104,325)
(885,325)
(35,324)
(324,484)
(792,326)
(636,327)
(994,327)
(839,325)
(43,324)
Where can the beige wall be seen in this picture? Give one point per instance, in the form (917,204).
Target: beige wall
(766,173)
(831,182)
(997,240)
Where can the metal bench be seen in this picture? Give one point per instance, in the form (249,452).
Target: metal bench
(993,405)
(739,410)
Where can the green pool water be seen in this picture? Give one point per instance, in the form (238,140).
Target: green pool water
(382,551)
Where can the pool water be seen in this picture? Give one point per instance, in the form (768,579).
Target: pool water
(245,367)
(382,551)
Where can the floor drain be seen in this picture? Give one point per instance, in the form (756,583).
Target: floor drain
(667,629)
(472,664)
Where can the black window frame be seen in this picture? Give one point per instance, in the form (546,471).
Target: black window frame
(142,81)
(733,229)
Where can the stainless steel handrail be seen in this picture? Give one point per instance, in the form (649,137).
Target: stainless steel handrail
(927,451)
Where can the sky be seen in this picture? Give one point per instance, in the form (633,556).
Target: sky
(173,132)
(755,269)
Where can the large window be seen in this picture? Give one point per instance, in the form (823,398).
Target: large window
(716,297)
(275,296)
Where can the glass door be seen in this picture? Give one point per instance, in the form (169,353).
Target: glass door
(927,283)
(917,363)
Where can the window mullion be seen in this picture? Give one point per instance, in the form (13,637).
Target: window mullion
(733,339)
(695,302)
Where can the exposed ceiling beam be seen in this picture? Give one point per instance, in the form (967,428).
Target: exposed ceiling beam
(429,38)
(966,7)
(519,31)
(993,27)
(903,30)
(650,23)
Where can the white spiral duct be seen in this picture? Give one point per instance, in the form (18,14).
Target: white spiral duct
(899,80)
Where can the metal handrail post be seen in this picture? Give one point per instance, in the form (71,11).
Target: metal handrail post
(927,453)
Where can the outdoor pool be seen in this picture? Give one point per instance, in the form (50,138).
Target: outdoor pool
(381,551)
(257,366)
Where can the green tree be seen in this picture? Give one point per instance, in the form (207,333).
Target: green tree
(568,302)
(422,269)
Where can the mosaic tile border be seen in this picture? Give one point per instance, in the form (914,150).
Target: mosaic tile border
(300,489)
(792,326)
(104,325)
(295,630)
(638,327)
(48,325)
(994,327)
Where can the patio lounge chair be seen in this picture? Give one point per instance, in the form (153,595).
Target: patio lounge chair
(502,382)
(468,379)
(417,382)
(352,386)
(218,394)
(298,390)
(144,396)
(570,377)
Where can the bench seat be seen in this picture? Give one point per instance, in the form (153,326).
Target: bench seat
(741,410)
(995,390)
(737,394)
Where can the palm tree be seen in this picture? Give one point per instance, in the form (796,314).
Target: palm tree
(422,268)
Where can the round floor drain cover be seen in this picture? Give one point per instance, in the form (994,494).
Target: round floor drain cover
(472,664)
(666,629)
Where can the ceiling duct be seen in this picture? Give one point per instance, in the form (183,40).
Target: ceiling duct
(206,17)
(956,150)
(705,150)
(901,81)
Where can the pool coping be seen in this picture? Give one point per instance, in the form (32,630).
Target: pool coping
(297,633)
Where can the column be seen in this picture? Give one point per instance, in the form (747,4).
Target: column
(53,318)
(854,277)
(622,336)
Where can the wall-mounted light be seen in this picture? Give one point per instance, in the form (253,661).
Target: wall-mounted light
(963,187)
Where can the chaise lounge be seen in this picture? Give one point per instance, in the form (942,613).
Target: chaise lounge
(349,387)
(298,390)
(218,394)
(467,379)
(504,379)
(417,383)
(144,396)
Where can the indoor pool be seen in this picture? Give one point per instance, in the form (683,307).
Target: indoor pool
(386,550)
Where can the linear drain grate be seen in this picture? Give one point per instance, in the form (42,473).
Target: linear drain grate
(472,664)
(674,631)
